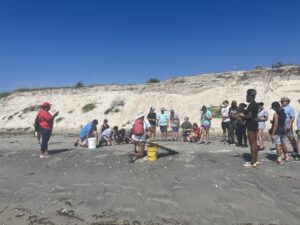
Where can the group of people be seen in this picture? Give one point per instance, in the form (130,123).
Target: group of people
(246,122)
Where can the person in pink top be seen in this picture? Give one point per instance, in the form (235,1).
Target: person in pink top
(46,125)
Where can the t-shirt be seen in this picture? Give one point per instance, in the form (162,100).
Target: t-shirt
(289,112)
(205,121)
(163,119)
(152,116)
(45,119)
(251,122)
(174,120)
(261,115)
(186,125)
(225,114)
(281,123)
(87,130)
(232,111)
(143,137)
(107,133)
(197,130)
(298,121)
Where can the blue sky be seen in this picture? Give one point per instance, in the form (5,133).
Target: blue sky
(60,42)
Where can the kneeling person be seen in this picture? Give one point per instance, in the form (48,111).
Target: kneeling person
(139,131)
(88,130)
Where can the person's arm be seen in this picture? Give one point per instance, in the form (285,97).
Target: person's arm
(275,125)
(291,122)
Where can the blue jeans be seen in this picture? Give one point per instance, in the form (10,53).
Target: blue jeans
(46,134)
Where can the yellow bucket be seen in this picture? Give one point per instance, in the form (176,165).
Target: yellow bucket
(152,153)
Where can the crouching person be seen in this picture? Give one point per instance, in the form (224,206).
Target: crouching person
(88,130)
(140,128)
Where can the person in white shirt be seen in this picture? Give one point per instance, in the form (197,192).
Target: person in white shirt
(225,121)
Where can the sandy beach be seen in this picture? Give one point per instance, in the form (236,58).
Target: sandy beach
(203,184)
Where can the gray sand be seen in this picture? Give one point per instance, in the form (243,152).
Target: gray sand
(203,184)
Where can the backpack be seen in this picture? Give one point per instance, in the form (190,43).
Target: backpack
(37,124)
(138,127)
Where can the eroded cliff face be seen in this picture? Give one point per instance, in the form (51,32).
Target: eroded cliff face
(119,104)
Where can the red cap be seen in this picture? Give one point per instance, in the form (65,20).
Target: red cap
(45,104)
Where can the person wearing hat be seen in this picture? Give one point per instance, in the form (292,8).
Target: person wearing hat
(250,116)
(206,117)
(278,132)
(174,123)
(140,127)
(87,131)
(46,126)
(290,117)
(153,122)
(163,121)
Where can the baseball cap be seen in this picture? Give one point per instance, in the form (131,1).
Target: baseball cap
(45,104)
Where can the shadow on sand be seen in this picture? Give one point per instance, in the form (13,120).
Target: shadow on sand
(58,151)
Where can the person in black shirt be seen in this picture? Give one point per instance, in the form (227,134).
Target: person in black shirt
(153,122)
(278,132)
(251,123)
(241,127)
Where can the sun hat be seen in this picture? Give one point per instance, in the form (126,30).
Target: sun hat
(140,114)
(45,104)
(275,105)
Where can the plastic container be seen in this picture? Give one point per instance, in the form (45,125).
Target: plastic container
(152,153)
(92,143)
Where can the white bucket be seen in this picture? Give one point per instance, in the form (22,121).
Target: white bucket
(92,143)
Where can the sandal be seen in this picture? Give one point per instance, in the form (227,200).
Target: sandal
(250,165)
(279,162)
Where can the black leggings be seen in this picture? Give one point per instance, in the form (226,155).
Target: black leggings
(241,133)
(46,134)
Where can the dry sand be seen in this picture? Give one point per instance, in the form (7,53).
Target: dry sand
(203,184)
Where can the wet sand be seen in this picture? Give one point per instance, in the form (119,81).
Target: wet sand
(203,184)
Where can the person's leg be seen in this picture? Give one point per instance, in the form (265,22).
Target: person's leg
(207,136)
(203,133)
(224,131)
(259,137)
(298,142)
(45,139)
(253,145)
(244,134)
(293,142)
(239,136)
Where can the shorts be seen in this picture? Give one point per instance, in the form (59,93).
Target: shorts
(261,125)
(205,126)
(289,133)
(279,139)
(163,128)
(225,125)
(175,129)
(252,126)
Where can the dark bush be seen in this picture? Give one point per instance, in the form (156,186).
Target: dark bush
(153,80)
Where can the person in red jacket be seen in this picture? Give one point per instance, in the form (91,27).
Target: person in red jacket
(46,125)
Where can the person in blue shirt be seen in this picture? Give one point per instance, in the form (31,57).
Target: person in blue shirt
(206,117)
(290,117)
(298,131)
(163,122)
(88,130)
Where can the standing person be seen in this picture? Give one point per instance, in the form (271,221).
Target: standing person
(104,126)
(174,123)
(163,121)
(278,132)
(241,127)
(140,128)
(206,118)
(290,117)
(233,111)
(298,132)
(251,123)
(153,122)
(186,128)
(225,121)
(87,131)
(46,127)
(262,117)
